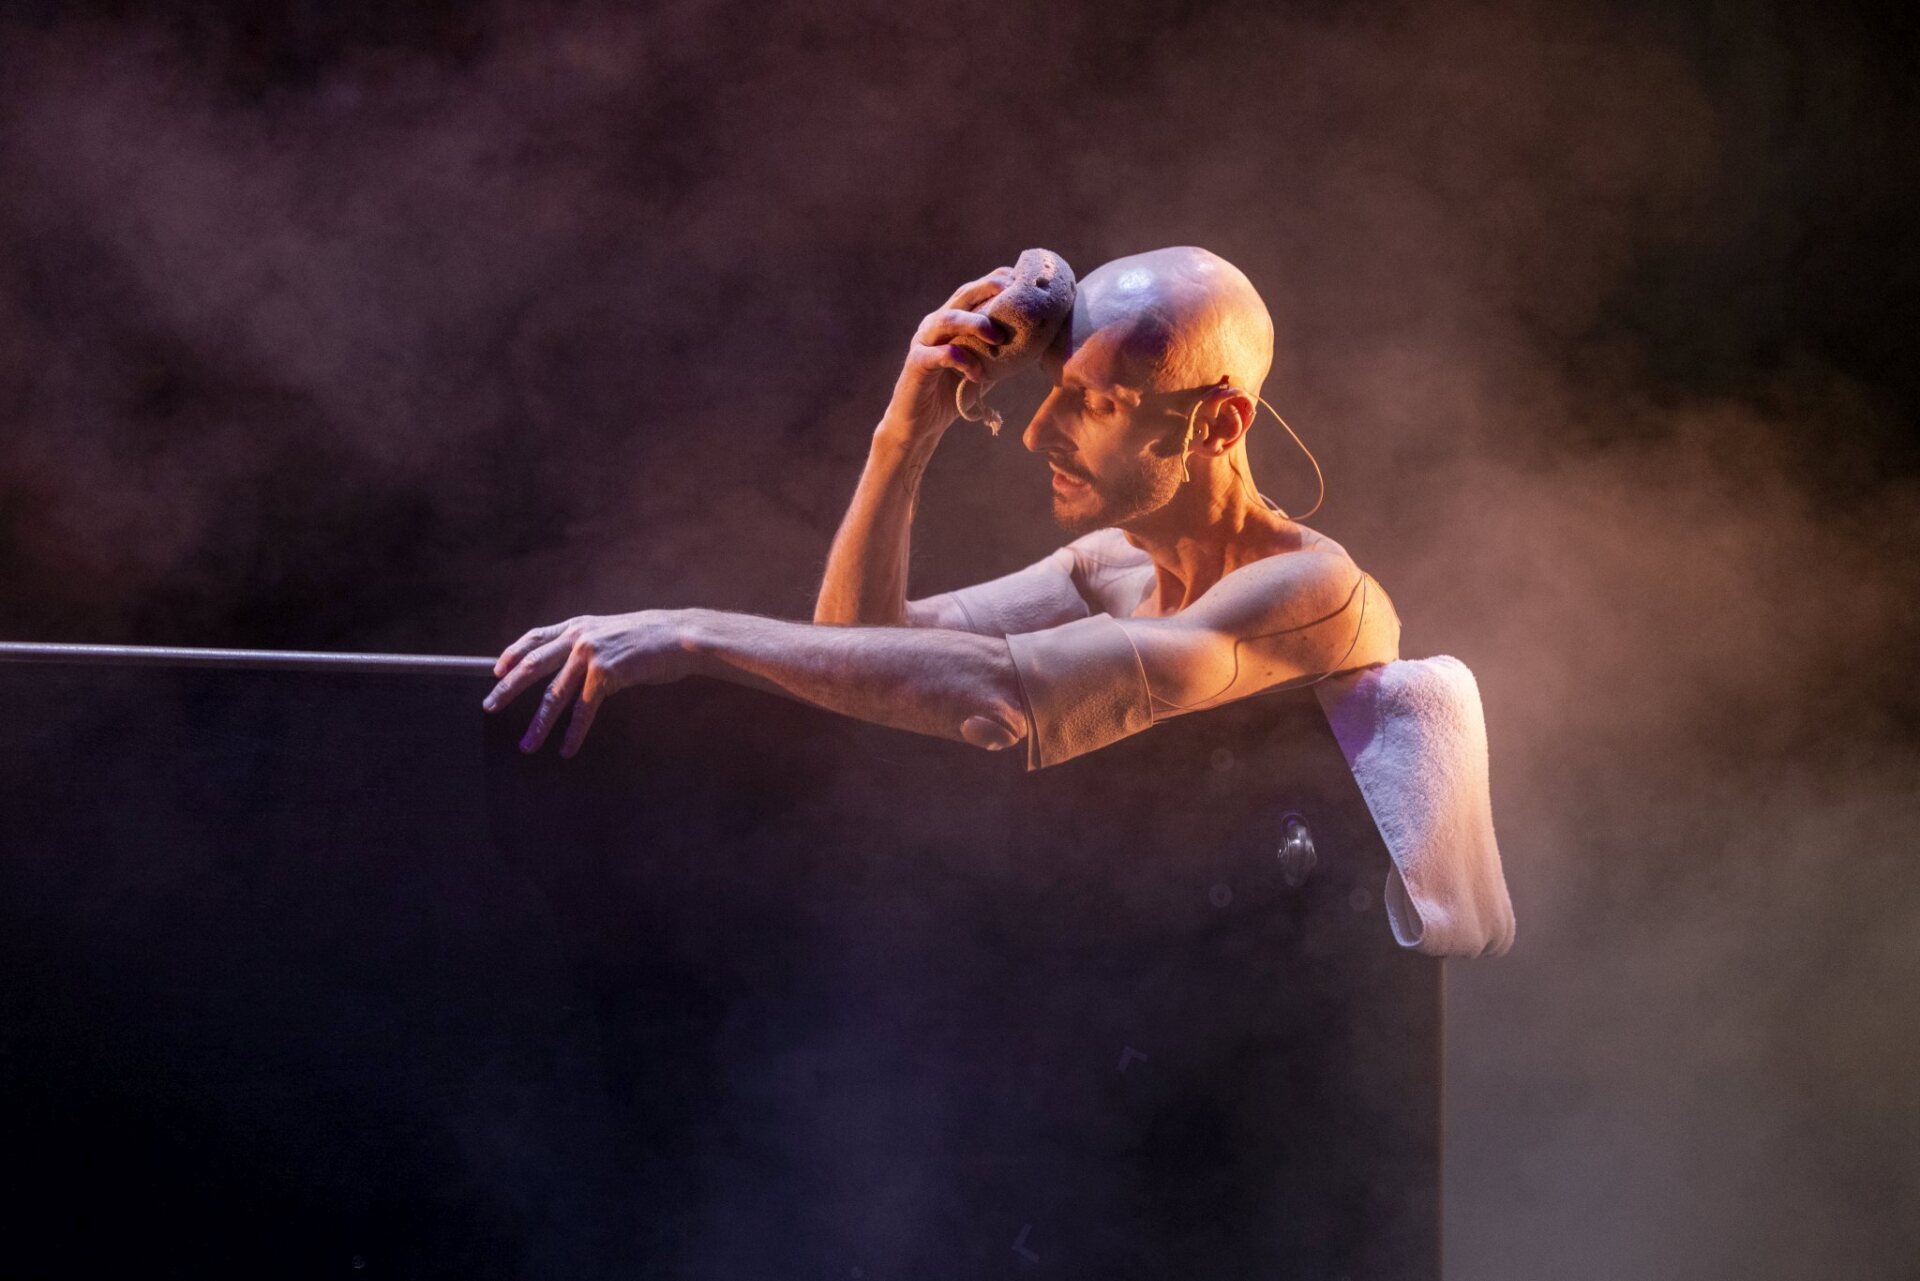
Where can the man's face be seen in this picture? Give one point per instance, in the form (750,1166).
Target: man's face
(1119,443)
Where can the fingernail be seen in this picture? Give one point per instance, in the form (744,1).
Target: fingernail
(487,702)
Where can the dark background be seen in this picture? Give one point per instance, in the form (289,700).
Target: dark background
(401,327)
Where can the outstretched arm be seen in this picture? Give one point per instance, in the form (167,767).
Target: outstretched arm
(949,684)
(945,683)
(1065,690)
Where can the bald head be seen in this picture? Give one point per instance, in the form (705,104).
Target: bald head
(1183,318)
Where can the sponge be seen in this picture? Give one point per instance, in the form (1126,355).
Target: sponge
(1031,309)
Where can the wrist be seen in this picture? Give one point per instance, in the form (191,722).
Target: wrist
(698,634)
(903,442)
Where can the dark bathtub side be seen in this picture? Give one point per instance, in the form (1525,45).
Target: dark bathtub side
(311,973)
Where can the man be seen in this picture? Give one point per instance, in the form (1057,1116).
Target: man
(1179,592)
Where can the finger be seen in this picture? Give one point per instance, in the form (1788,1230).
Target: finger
(971,364)
(558,695)
(975,292)
(531,668)
(588,706)
(511,654)
(945,326)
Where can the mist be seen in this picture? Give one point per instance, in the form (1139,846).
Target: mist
(354,328)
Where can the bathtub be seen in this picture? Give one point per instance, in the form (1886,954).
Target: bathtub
(309,971)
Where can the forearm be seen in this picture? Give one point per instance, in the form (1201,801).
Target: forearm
(866,574)
(948,684)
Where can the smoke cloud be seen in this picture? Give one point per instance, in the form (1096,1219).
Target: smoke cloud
(383,332)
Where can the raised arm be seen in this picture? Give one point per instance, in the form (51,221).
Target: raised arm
(866,573)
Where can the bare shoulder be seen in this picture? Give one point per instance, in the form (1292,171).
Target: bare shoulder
(1313,579)
(1376,621)
(1314,540)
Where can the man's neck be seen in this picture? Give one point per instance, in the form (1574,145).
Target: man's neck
(1201,537)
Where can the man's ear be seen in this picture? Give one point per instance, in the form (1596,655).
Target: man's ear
(1227,415)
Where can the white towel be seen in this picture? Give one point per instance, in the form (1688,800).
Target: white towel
(1415,738)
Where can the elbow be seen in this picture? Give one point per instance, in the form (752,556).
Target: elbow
(997,718)
(994,731)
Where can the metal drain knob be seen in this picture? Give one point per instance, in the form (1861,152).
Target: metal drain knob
(1296,851)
